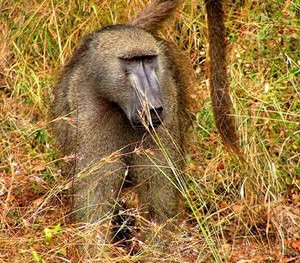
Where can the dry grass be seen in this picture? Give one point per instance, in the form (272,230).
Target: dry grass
(237,210)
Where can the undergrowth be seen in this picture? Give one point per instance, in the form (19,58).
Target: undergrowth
(237,208)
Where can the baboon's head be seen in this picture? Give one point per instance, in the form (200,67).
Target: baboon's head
(127,63)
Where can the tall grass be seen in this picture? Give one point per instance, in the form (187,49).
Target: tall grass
(237,209)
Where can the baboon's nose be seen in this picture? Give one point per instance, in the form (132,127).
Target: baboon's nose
(156,115)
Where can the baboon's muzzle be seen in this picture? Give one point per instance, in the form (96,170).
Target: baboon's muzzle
(148,110)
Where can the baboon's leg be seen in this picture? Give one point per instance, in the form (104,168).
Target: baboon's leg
(96,194)
(100,168)
(158,196)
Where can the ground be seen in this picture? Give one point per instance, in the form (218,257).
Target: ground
(238,210)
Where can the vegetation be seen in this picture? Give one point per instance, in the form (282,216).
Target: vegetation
(239,209)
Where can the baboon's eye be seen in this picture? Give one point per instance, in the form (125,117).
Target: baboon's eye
(136,59)
(131,60)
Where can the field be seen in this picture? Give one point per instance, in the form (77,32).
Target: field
(238,209)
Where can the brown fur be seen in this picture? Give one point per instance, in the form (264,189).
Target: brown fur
(221,101)
(91,124)
(151,18)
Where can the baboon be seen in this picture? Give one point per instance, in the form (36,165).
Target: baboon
(121,107)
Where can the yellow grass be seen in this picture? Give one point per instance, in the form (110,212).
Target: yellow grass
(237,209)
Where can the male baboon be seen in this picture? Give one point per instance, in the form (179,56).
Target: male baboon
(120,108)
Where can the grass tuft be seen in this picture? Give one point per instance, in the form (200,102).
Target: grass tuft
(238,210)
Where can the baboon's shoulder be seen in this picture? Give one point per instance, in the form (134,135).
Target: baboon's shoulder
(180,65)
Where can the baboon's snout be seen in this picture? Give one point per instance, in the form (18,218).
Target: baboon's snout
(147,106)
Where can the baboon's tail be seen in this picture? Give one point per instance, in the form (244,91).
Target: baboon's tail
(218,82)
(156,12)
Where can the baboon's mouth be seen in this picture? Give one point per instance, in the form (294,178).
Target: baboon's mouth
(141,127)
(141,121)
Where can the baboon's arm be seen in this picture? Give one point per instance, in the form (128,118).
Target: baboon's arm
(151,18)
(222,105)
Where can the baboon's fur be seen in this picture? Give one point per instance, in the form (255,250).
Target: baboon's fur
(91,124)
(222,105)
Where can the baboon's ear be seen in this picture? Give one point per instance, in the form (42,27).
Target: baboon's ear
(151,18)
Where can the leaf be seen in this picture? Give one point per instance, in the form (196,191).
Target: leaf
(48,235)
(56,228)
(36,256)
